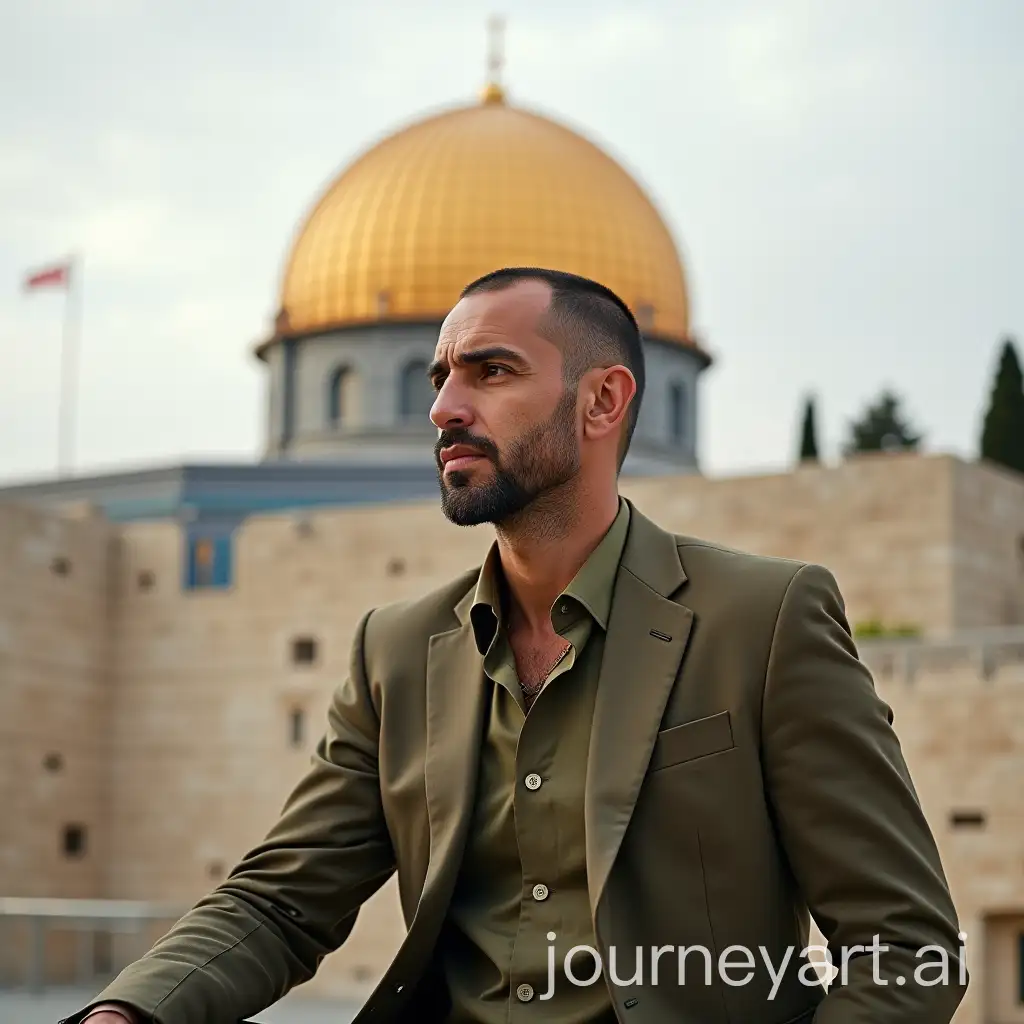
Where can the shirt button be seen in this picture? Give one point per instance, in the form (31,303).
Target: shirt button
(533,781)
(540,892)
(525,993)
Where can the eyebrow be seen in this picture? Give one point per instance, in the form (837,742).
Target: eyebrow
(477,356)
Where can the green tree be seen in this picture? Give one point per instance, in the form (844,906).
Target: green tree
(1002,437)
(882,428)
(809,434)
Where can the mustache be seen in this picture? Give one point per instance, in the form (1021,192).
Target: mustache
(448,438)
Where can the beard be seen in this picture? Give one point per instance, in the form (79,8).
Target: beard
(526,476)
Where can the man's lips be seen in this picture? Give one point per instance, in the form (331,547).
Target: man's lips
(458,456)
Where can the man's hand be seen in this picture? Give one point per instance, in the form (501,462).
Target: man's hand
(108,1013)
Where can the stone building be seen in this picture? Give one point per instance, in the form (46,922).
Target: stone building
(169,640)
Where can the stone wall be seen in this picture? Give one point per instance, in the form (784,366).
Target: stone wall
(205,719)
(988,552)
(882,524)
(207,688)
(55,761)
(959,714)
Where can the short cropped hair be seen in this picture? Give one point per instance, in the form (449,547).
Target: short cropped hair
(591,324)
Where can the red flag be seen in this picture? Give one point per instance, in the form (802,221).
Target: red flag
(51,277)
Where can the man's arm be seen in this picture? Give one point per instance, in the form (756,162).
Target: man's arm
(850,819)
(291,900)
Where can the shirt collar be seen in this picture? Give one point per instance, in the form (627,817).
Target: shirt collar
(590,589)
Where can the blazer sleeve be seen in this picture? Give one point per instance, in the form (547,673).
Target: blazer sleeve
(851,822)
(291,900)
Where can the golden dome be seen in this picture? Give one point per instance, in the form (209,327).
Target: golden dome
(411,222)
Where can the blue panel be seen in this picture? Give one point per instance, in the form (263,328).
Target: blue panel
(222,495)
(208,560)
(247,504)
(215,499)
(222,562)
(122,510)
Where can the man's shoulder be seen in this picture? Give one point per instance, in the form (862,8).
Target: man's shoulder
(701,556)
(420,617)
(741,578)
(708,563)
(735,592)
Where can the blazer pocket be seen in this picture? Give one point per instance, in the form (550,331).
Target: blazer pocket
(690,740)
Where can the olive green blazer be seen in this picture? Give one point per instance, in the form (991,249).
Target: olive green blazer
(743,773)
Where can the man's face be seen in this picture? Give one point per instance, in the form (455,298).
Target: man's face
(506,424)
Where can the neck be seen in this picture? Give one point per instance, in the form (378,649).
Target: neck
(547,545)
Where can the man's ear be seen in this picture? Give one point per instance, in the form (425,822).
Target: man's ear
(611,393)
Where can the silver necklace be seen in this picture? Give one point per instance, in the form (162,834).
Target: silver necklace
(530,692)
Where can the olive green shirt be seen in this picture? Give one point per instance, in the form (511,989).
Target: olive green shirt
(522,887)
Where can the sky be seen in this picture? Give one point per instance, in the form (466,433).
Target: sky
(844,180)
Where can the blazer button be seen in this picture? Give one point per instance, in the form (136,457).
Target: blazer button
(524,993)
(533,781)
(540,892)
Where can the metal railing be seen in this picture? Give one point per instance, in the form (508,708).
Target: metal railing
(985,652)
(84,921)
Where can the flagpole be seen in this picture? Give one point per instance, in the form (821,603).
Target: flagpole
(70,342)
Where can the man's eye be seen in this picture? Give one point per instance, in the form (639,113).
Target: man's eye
(491,369)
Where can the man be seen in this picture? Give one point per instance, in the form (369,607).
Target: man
(613,768)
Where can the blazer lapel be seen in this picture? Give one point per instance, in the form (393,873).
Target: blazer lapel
(456,708)
(647,636)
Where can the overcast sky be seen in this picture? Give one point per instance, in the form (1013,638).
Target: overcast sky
(845,181)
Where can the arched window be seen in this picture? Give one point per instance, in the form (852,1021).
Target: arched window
(337,388)
(416,393)
(677,411)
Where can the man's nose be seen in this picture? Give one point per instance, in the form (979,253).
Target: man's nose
(451,409)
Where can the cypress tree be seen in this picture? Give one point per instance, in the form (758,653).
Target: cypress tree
(1002,437)
(809,434)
